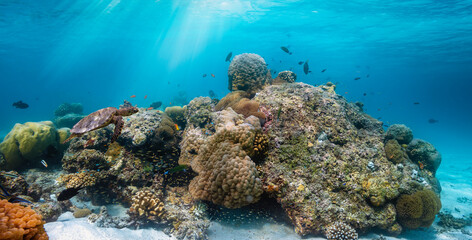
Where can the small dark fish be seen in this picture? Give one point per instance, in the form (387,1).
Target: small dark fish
(228,57)
(323,70)
(204,75)
(300,63)
(432,121)
(211,94)
(20,105)
(306,68)
(357,78)
(156,105)
(365,94)
(368,75)
(416,103)
(285,49)
(11,198)
(68,193)
(177,169)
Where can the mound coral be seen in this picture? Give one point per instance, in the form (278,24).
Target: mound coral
(241,105)
(424,153)
(231,99)
(340,231)
(418,209)
(394,151)
(285,77)
(198,111)
(67,108)
(177,114)
(147,205)
(226,174)
(82,179)
(30,142)
(399,132)
(248,72)
(19,222)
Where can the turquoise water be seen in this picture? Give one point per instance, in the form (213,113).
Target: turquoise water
(101,52)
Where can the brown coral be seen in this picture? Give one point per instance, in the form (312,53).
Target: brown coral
(226,174)
(285,77)
(418,209)
(147,205)
(19,222)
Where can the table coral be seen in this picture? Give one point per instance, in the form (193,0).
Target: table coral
(19,222)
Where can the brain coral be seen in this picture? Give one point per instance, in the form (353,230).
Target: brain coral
(18,222)
(248,72)
(418,209)
(226,174)
(28,142)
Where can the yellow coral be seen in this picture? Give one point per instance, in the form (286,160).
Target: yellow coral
(82,179)
(29,141)
(19,222)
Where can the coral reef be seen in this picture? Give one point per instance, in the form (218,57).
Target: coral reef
(248,72)
(326,161)
(77,180)
(28,143)
(285,77)
(226,173)
(418,209)
(231,99)
(399,132)
(19,222)
(425,154)
(340,231)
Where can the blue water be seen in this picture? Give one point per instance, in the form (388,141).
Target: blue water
(99,53)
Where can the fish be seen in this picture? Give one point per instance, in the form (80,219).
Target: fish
(211,94)
(323,70)
(149,108)
(432,120)
(133,96)
(156,105)
(300,63)
(145,96)
(357,78)
(68,193)
(306,68)
(44,163)
(416,103)
(204,75)
(228,57)
(20,104)
(367,76)
(213,75)
(11,198)
(177,169)
(285,49)
(7,174)
(176,127)
(365,94)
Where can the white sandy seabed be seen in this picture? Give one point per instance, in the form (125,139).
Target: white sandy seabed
(456,182)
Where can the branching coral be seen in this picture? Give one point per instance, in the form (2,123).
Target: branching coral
(340,231)
(147,205)
(19,222)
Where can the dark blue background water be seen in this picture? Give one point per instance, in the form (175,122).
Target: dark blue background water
(101,52)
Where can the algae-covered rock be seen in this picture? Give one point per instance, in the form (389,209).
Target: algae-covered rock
(327,161)
(27,144)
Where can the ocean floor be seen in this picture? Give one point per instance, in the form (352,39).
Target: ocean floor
(456,196)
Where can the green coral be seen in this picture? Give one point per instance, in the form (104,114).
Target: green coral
(418,209)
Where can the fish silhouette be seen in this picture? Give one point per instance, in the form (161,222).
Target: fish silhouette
(20,105)
(306,68)
(228,57)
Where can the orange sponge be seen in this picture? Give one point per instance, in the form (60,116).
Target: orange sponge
(19,222)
